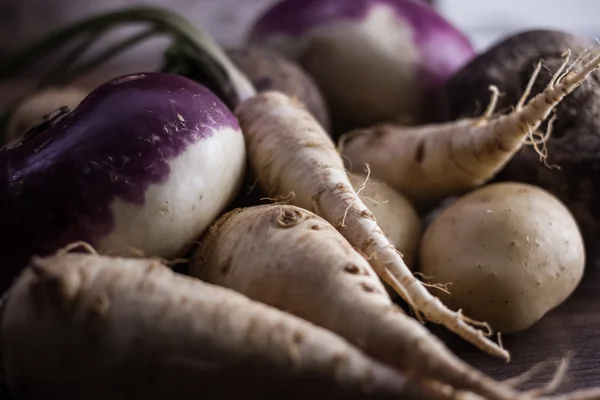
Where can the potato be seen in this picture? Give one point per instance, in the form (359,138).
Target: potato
(511,251)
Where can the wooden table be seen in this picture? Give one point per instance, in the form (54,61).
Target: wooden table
(573,326)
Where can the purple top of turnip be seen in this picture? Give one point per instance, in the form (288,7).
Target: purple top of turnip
(442,47)
(57,185)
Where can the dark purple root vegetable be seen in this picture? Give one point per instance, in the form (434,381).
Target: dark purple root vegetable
(574,144)
(146,161)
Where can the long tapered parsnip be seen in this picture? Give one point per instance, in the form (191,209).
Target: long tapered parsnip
(431,162)
(77,326)
(290,258)
(290,152)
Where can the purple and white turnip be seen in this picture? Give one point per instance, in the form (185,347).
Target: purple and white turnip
(145,162)
(375,60)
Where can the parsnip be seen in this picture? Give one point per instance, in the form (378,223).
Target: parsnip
(78,326)
(431,162)
(292,259)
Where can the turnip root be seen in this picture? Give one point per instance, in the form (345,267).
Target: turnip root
(78,326)
(375,60)
(146,161)
(395,215)
(312,271)
(431,162)
(511,252)
(35,107)
(574,145)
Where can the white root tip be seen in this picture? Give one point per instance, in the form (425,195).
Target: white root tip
(75,245)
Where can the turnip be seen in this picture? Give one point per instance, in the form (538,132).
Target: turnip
(310,270)
(375,60)
(146,161)
(511,251)
(80,326)
(290,154)
(571,166)
(431,162)
(35,107)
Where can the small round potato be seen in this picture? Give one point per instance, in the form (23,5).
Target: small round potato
(511,251)
(395,215)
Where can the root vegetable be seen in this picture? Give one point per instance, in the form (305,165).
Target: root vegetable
(313,272)
(395,215)
(289,152)
(431,162)
(34,108)
(574,145)
(146,161)
(511,251)
(78,326)
(375,60)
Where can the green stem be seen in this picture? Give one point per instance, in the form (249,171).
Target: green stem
(209,54)
(75,72)
(71,57)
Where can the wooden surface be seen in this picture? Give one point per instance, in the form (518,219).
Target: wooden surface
(574,326)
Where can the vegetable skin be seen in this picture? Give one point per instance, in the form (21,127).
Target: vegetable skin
(312,271)
(80,326)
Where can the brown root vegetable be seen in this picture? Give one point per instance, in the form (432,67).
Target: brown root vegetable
(33,108)
(78,326)
(269,70)
(574,144)
(510,251)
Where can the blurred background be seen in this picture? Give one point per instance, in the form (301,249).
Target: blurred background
(483,21)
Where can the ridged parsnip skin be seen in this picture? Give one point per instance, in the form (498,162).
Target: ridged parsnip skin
(292,259)
(428,163)
(78,326)
(395,215)
(290,152)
